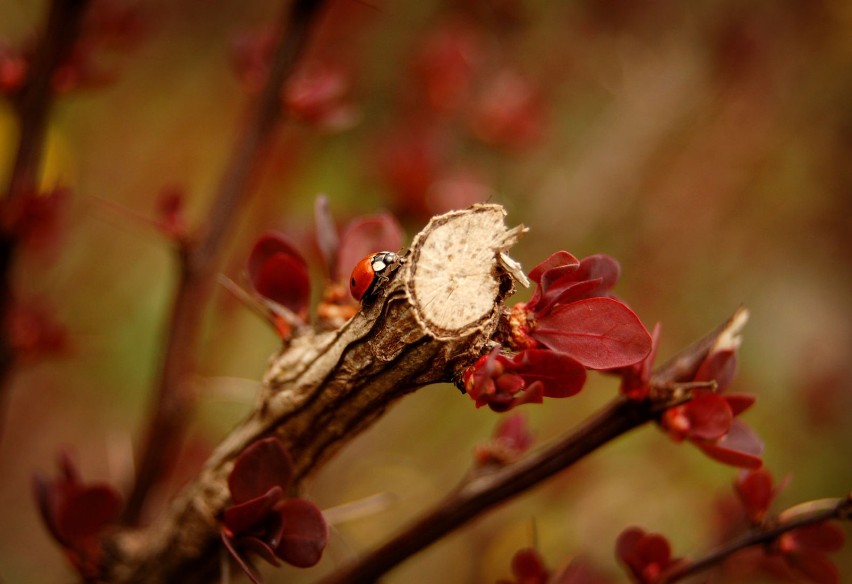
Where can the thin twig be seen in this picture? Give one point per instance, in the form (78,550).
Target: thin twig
(174,396)
(32,109)
(484,492)
(840,509)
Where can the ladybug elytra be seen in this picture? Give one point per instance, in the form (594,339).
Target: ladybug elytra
(370,271)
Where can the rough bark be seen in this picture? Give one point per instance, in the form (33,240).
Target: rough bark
(431,320)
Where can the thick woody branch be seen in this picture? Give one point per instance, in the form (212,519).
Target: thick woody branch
(817,512)
(174,396)
(325,388)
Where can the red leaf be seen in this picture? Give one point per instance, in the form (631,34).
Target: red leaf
(527,566)
(243,516)
(709,417)
(562,284)
(367,235)
(601,266)
(739,402)
(555,268)
(512,432)
(626,543)
(261,466)
(305,533)
(740,447)
(87,512)
(279,272)
(756,492)
(645,554)
(559,374)
(565,292)
(600,333)
(654,548)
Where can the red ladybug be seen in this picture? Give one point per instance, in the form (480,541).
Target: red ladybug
(370,271)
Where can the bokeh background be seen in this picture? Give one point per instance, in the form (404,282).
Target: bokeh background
(707,145)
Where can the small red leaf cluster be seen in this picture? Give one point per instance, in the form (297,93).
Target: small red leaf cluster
(709,419)
(280,275)
(502,383)
(801,552)
(756,491)
(570,324)
(511,439)
(573,312)
(77,514)
(646,556)
(263,520)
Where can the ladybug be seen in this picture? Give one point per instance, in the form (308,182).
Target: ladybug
(373,269)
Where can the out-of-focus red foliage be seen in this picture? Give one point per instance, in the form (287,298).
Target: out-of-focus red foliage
(77,514)
(511,439)
(645,555)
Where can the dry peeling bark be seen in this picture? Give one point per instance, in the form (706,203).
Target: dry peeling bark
(431,320)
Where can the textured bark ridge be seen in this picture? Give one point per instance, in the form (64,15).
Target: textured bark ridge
(430,320)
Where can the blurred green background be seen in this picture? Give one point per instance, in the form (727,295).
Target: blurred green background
(706,145)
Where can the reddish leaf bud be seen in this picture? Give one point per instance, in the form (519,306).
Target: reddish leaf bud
(511,439)
(279,273)
(76,514)
(756,492)
(646,555)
